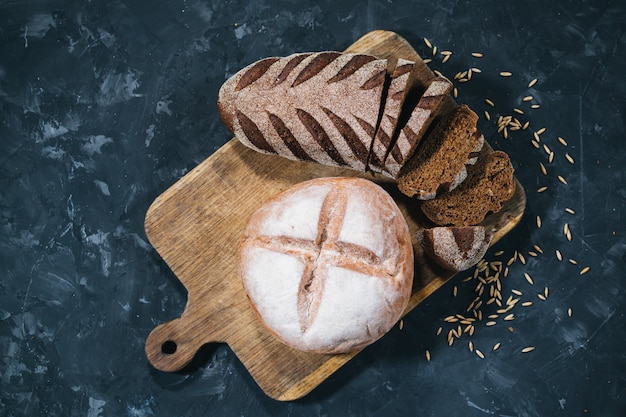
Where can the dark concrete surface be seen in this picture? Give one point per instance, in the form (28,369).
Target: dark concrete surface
(104,105)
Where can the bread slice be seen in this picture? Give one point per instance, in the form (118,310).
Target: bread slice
(327,264)
(489,183)
(455,248)
(403,78)
(321,107)
(441,158)
(410,135)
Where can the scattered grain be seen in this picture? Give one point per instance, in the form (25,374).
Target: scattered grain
(544,170)
(542,189)
(551,157)
(477,54)
(573,261)
(541,131)
(496,346)
(541,297)
(427,60)
(569,158)
(506,73)
(535,106)
(439,330)
(518,111)
(455,92)
(527,98)
(584,270)
(562,179)
(517,292)
(527,303)
(470,345)
(401,324)
(558,254)
(498,253)
(570,211)
(427,355)
(537,248)
(525,126)
(528,349)
(532,82)
(522,259)
(509,317)
(569,311)
(562,141)
(428,43)
(538,222)
(490,323)
(454,291)
(480,354)
(529,279)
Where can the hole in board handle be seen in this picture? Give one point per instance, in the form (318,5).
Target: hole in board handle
(168,347)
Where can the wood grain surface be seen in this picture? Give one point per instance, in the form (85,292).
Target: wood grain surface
(196,226)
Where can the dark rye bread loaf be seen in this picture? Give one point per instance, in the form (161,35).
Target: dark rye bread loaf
(297,106)
(455,248)
(489,183)
(439,164)
(403,79)
(411,133)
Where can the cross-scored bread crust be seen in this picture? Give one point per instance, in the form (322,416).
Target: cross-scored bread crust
(328,264)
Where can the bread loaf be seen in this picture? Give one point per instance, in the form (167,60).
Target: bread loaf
(321,107)
(489,183)
(327,264)
(455,248)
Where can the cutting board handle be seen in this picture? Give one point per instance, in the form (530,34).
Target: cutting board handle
(169,348)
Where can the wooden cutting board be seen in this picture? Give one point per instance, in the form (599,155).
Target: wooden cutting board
(196,226)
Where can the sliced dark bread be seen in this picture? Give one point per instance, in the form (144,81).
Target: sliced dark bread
(489,183)
(422,115)
(403,79)
(455,248)
(441,158)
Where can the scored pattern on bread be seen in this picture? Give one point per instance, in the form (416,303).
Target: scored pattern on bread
(411,133)
(440,163)
(402,80)
(296,106)
(327,264)
(455,248)
(489,183)
(325,251)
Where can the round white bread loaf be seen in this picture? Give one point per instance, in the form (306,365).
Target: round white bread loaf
(327,264)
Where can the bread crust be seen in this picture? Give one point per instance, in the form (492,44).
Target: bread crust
(320,107)
(327,264)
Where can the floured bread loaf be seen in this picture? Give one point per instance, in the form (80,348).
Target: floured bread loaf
(320,107)
(327,264)
(455,248)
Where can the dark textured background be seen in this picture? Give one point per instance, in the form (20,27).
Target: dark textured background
(104,105)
